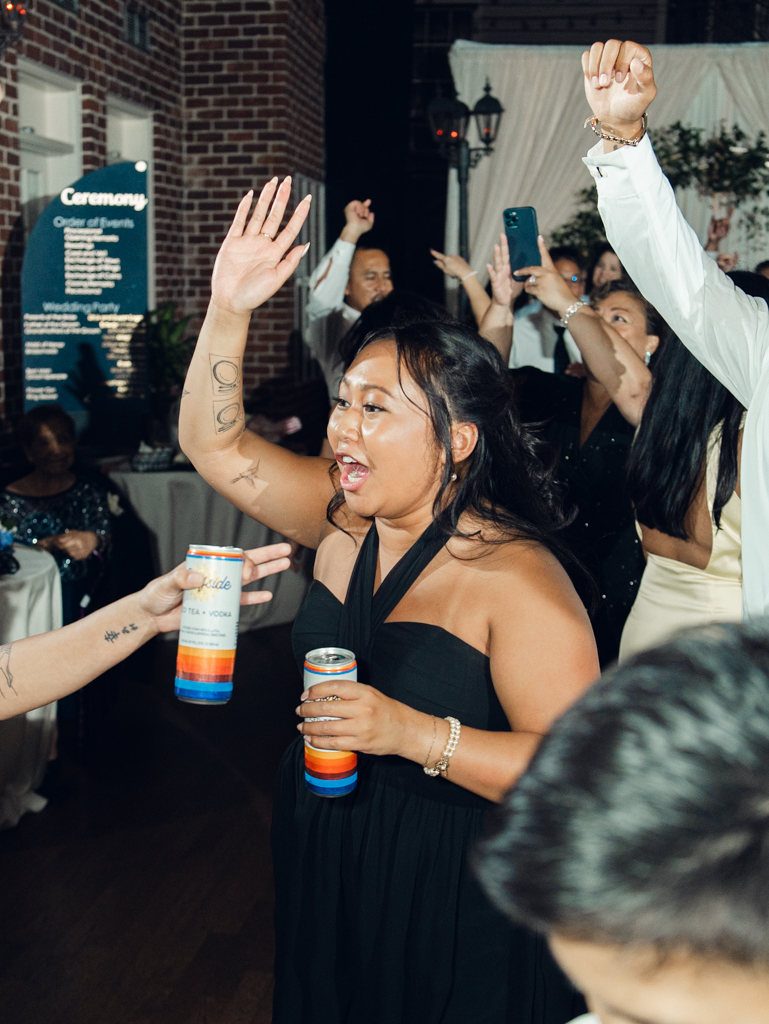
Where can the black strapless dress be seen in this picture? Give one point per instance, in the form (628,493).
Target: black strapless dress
(379,919)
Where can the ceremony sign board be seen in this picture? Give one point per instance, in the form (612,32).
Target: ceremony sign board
(84,292)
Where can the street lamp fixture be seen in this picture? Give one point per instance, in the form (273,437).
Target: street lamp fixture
(449,120)
(12,18)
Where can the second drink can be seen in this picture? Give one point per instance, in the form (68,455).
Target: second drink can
(329,773)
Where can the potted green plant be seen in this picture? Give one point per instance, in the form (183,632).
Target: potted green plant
(169,350)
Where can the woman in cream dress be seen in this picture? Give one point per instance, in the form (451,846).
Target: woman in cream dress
(683,479)
(698,580)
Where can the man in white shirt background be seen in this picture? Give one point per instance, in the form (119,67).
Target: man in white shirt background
(347,280)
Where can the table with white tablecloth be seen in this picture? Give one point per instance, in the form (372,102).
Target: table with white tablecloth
(30,603)
(180,508)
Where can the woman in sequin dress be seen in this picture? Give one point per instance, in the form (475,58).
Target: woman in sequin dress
(55,509)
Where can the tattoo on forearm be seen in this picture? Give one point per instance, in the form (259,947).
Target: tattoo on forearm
(6,676)
(112,635)
(184,392)
(227,414)
(249,475)
(225,375)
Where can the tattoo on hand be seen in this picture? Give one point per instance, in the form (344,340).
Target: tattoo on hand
(112,635)
(5,669)
(227,414)
(225,375)
(249,475)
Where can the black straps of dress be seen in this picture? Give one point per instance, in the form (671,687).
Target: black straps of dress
(364,611)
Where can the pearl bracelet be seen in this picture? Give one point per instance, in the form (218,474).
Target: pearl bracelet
(441,767)
(564,321)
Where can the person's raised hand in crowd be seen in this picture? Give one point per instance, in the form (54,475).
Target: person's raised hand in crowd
(504,288)
(619,86)
(455,266)
(452,265)
(718,229)
(546,283)
(497,323)
(254,260)
(359,219)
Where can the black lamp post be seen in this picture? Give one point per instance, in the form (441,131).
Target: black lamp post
(449,120)
(12,18)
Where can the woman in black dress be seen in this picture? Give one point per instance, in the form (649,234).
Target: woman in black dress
(590,420)
(436,566)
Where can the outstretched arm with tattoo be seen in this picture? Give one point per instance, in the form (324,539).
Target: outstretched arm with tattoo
(286,492)
(45,668)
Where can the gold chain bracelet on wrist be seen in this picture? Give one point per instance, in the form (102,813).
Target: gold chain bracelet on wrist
(441,766)
(594,123)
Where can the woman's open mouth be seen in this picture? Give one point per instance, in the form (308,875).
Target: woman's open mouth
(352,474)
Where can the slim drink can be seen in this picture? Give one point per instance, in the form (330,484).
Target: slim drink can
(329,772)
(209,633)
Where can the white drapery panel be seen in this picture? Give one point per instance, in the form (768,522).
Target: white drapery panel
(537,158)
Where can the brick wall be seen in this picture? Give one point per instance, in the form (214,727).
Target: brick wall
(236,91)
(253,88)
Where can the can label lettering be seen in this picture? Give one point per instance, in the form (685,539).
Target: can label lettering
(208,636)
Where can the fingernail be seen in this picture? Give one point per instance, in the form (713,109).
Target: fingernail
(305,695)
(308,197)
(306,248)
(273,179)
(604,79)
(288,179)
(540,238)
(619,77)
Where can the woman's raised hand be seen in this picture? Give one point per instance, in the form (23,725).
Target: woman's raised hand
(619,84)
(504,289)
(452,265)
(254,260)
(546,283)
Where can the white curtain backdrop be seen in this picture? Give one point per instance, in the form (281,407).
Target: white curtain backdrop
(537,156)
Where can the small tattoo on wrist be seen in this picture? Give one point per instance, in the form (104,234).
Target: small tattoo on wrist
(111,635)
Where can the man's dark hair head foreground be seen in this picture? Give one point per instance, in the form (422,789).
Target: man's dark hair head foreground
(644,818)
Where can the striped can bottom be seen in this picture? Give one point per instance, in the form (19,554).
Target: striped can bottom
(204,676)
(330,773)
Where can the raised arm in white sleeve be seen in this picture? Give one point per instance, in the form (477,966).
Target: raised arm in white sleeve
(329,280)
(727,330)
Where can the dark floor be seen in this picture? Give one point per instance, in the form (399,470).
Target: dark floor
(143,893)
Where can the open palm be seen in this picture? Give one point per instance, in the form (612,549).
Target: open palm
(254,260)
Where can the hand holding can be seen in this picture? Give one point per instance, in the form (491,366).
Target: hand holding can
(329,773)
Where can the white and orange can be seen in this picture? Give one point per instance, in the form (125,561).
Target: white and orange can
(208,637)
(329,772)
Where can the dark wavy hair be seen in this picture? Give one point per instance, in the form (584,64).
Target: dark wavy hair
(398,309)
(506,483)
(643,818)
(666,464)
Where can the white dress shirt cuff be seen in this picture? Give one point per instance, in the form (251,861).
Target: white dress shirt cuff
(628,171)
